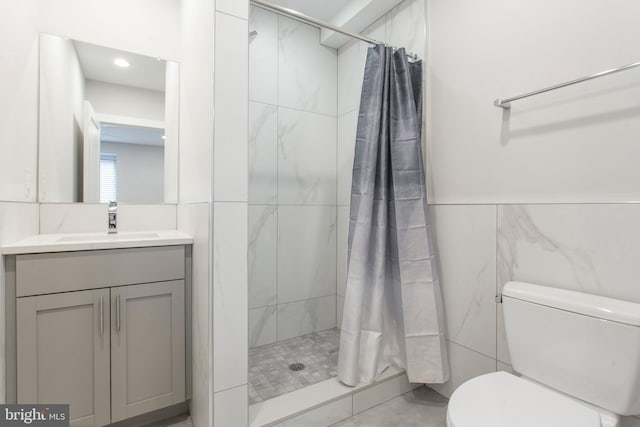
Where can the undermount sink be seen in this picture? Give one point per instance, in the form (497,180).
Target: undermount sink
(105,236)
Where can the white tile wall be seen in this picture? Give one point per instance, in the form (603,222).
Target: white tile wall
(230,301)
(230,174)
(263,153)
(347,125)
(263,255)
(405,26)
(292,179)
(465,364)
(306,252)
(465,238)
(306,157)
(73,218)
(194,219)
(303,317)
(339,310)
(263,325)
(630,422)
(146,217)
(307,78)
(92,218)
(263,57)
(230,213)
(587,248)
(351,61)
(196,101)
(233,7)
(342,230)
(230,407)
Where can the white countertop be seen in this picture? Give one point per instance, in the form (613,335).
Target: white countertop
(42,243)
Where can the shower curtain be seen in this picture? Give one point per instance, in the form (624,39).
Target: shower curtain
(393,306)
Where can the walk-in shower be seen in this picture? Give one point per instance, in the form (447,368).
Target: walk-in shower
(303,110)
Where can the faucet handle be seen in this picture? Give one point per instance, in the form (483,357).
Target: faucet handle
(113,204)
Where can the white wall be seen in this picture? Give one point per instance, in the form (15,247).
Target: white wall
(118,100)
(62,91)
(139,171)
(578,144)
(19,94)
(147,27)
(292,180)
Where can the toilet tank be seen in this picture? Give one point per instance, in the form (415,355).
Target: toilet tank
(583,345)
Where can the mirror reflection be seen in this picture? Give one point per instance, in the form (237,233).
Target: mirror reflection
(108,124)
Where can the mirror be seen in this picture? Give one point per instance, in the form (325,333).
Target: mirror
(108,125)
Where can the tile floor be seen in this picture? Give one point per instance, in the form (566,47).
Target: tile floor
(269,373)
(421,407)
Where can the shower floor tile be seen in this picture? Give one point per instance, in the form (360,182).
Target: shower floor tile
(269,373)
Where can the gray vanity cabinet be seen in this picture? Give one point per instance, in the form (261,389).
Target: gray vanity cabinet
(103,331)
(63,353)
(147,348)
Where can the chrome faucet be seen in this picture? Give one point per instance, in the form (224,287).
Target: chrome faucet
(113,217)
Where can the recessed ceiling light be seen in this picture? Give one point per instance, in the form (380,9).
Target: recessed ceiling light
(121,62)
(164,137)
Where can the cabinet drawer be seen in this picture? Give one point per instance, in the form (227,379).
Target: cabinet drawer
(71,271)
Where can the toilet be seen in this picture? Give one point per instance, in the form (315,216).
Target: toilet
(578,357)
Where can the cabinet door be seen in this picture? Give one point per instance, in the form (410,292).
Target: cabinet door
(147,348)
(63,353)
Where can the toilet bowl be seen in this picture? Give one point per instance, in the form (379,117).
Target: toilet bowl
(579,360)
(501,399)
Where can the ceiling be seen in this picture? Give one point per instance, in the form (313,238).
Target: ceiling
(350,15)
(144,72)
(131,134)
(319,9)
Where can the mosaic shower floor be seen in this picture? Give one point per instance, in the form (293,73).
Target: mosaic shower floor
(269,373)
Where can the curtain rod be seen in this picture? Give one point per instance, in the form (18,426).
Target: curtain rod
(506,103)
(320,24)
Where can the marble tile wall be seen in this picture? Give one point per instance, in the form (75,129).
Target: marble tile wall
(92,218)
(292,179)
(591,248)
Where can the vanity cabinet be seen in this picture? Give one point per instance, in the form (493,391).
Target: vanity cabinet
(103,331)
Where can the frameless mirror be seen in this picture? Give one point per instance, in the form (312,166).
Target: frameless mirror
(108,125)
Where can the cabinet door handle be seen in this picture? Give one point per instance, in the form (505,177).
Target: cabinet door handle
(118,312)
(101,315)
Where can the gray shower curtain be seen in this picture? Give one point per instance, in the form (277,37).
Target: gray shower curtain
(393,306)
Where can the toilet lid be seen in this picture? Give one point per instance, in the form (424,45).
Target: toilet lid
(500,399)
